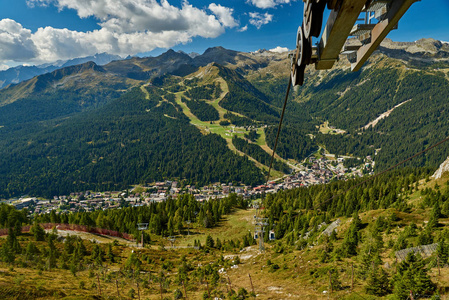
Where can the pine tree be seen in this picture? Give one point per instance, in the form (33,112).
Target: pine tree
(209,242)
(12,241)
(52,253)
(38,232)
(218,244)
(97,255)
(327,249)
(425,237)
(31,252)
(351,239)
(18,228)
(7,253)
(378,282)
(110,254)
(133,262)
(412,276)
(369,254)
(442,251)
(435,215)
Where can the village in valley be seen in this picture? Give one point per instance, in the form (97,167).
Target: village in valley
(314,170)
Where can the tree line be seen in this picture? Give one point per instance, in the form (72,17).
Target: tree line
(259,154)
(127,141)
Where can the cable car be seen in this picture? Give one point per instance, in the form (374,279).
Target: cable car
(368,20)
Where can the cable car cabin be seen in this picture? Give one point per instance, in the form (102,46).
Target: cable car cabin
(368,20)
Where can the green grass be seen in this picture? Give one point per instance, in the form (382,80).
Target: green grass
(216,103)
(232,227)
(300,274)
(325,129)
(227,132)
(261,141)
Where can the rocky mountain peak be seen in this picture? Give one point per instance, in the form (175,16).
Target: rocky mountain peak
(425,45)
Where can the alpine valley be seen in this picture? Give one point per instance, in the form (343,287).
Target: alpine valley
(86,142)
(174,117)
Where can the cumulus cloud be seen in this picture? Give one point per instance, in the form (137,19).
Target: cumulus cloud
(258,19)
(15,41)
(129,16)
(279,49)
(127,27)
(224,15)
(268,3)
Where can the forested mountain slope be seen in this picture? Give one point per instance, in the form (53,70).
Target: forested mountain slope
(130,140)
(127,122)
(416,94)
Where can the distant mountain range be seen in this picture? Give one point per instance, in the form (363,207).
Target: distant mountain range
(174,116)
(21,73)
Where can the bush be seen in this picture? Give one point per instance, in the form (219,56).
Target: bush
(131,293)
(274,267)
(178,294)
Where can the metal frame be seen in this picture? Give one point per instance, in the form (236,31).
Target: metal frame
(342,23)
(394,13)
(259,230)
(141,227)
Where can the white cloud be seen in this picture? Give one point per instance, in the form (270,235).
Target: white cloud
(268,3)
(243,29)
(127,27)
(3,67)
(224,15)
(258,19)
(33,3)
(263,3)
(279,49)
(15,41)
(129,16)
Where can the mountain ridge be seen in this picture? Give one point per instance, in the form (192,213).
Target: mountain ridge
(18,74)
(241,95)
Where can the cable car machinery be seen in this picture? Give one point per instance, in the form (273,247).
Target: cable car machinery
(341,24)
(344,21)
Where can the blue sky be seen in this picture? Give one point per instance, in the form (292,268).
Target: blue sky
(40,31)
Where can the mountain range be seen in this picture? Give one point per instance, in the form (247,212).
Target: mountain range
(21,73)
(138,120)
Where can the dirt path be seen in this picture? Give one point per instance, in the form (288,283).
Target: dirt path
(102,239)
(216,103)
(144,90)
(263,144)
(384,115)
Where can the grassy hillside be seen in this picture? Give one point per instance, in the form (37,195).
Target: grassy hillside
(359,259)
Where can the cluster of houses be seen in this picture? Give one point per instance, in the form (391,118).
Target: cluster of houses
(315,171)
